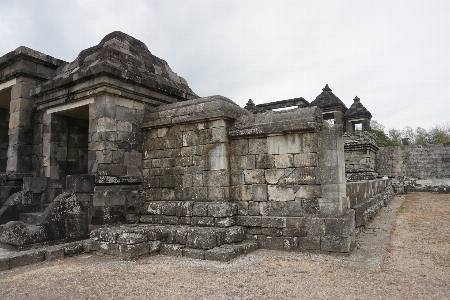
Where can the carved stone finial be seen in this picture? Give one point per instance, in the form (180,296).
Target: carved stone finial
(326,88)
(250,106)
(356,99)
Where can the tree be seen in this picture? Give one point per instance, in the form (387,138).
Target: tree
(395,135)
(422,136)
(439,134)
(409,134)
(383,140)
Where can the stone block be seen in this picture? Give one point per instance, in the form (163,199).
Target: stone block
(200,210)
(290,243)
(284,161)
(26,258)
(202,221)
(218,157)
(310,206)
(224,222)
(216,178)
(4,263)
(342,226)
(201,238)
(242,208)
(308,243)
(308,191)
(251,221)
(273,176)
(259,192)
(125,114)
(283,144)
(236,177)
(273,208)
(130,238)
(257,146)
(194,253)
(253,209)
(315,226)
(239,147)
(330,175)
(270,242)
(218,194)
(305,175)
(230,235)
(305,160)
(271,231)
(223,254)
(54,254)
(171,249)
(133,251)
(73,248)
(35,184)
(273,222)
(220,210)
(337,243)
(264,161)
(254,176)
(280,193)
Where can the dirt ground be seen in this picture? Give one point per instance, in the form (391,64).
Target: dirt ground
(416,266)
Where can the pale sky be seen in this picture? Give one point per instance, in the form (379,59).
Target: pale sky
(394,55)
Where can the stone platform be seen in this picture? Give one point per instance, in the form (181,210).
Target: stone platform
(208,243)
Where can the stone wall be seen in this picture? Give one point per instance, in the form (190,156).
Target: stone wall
(208,162)
(416,167)
(360,155)
(368,197)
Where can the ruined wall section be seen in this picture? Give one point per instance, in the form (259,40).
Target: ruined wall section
(368,197)
(360,155)
(287,178)
(279,175)
(186,163)
(416,167)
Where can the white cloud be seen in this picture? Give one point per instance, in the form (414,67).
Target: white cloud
(395,55)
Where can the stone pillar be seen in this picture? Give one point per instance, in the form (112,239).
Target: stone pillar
(20,127)
(115,138)
(331,173)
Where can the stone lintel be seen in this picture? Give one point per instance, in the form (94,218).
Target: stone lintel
(193,111)
(102,85)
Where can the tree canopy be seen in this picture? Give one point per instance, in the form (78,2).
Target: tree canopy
(437,134)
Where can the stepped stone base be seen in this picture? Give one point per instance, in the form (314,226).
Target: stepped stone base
(209,243)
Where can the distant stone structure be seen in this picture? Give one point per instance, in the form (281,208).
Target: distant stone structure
(116,145)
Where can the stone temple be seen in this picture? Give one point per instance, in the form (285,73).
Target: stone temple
(116,148)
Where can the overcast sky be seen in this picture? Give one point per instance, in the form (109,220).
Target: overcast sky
(394,55)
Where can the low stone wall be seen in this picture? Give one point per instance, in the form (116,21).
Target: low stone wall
(416,167)
(368,197)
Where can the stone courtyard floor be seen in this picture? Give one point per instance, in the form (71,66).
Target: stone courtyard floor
(403,254)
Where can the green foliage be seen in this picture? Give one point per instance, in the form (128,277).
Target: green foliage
(419,136)
(383,140)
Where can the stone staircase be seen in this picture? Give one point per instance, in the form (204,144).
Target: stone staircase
(207,243)
(26,222)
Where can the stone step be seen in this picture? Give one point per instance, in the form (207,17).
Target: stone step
(30,217)
(129,240)
(222,253)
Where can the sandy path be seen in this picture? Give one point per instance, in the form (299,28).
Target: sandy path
(417,266)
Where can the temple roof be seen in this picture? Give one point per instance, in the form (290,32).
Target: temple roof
(328,101)
(357,110)
(122,56)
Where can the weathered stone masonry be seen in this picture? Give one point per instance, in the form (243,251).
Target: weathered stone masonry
(208,162)
(416,167)
(117,145)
